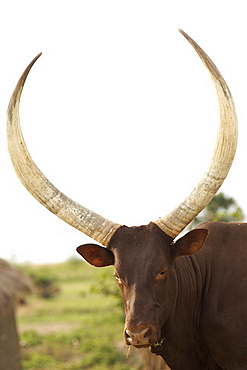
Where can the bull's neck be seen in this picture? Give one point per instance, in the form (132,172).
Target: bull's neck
(190,283)
(183,321)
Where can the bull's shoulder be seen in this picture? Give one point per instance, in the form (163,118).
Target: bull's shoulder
(226,240)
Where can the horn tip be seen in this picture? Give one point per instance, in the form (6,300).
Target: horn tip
(39,55)
(184,33)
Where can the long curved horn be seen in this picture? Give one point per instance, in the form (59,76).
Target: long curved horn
(223,155)
(40,187)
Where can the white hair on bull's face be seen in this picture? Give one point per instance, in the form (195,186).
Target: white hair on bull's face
(98,227)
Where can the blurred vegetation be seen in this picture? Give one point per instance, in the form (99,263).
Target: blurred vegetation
(45,283)
(107,286)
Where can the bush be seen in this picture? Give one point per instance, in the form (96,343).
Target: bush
(45,285)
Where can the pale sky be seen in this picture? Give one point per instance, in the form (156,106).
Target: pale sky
(119,112)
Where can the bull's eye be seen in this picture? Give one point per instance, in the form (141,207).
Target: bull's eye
(161,274)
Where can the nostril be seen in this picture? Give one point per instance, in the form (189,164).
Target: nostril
(128,337)
(147,335)
(127,334)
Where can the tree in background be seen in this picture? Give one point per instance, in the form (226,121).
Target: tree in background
(221,208)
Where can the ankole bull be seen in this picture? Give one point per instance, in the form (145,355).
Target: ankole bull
(186,299)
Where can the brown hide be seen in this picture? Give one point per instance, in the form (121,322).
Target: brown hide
(192,309)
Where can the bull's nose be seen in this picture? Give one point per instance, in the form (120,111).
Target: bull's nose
(138,336)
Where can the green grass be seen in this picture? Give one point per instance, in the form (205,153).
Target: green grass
(79,328)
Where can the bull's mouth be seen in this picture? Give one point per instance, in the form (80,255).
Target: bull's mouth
(156,344)
(139,346)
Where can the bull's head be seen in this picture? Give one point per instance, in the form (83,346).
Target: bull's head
(147,280)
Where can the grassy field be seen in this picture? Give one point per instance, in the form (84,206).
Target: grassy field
(80,327)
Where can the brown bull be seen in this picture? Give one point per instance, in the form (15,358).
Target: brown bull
(187,303)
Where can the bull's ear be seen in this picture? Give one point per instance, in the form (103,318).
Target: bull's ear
(190,243)
(96,255)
